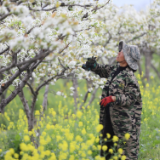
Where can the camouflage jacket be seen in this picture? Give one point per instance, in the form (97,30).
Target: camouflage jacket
(125,112)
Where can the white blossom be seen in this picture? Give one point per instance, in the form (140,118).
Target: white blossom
(59,93)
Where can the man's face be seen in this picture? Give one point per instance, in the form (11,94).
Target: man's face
(120,57)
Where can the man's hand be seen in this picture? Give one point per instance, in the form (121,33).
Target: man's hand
(106,100)
(90,64)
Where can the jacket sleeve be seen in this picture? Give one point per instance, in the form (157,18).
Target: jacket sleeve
(102,70)
(129,96)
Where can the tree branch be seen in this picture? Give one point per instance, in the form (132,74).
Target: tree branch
(15,92)
(25,104)
(134,38)
(97,8)
(84,99)
(31,88)
(4,50)
(4,16)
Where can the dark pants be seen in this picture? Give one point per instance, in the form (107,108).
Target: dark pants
(107,129)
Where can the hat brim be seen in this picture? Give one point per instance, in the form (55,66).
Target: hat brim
(126,51)
(131,62)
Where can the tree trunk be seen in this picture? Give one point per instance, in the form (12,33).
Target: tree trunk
(140,72)
(92,98)
(148,58)
(154,68)
(26,108)
(31,123)
(45,98)
(75,95)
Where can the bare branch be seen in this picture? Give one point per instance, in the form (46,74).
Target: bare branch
(134,38)
(65,47)
(12,78)
(61,64)
(4,16)
(50,79)
(107,42)
(27,62)
(31,88)
(97,8)
(29,31)
(16,91)
(62,5)
(4,50)
(14,62)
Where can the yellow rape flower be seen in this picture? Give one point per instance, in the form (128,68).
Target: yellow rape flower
(104,148)
(71,157)
(115,139)
(97,139)
(83,131)
(123,157)
(26,138)
(90,142)
(30,147)
(23,147)
(53,113)
(37,113)
(89,152)
(53,157)
(115,144)
(111,151)
(0,150)
(78,138)
(11,150)
(79,114)
(30,133)
(73,115)
(108,135)
(105,139)
(16,156)
(115,158)
(147,85)
(83,154)
(80,124)
(99,127)
(120,150)
(94,147)
(65,146)
(127,136)
(48,152)
(72,147)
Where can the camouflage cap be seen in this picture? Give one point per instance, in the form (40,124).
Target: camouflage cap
(131,54)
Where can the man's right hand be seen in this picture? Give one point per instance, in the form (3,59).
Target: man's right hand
(90,64)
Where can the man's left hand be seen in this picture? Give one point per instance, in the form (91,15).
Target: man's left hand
(106,100)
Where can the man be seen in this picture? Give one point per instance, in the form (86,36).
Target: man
(121,102)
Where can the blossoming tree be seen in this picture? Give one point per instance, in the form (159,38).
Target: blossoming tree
(43,41)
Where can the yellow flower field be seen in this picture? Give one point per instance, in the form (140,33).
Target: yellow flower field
(63,134)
